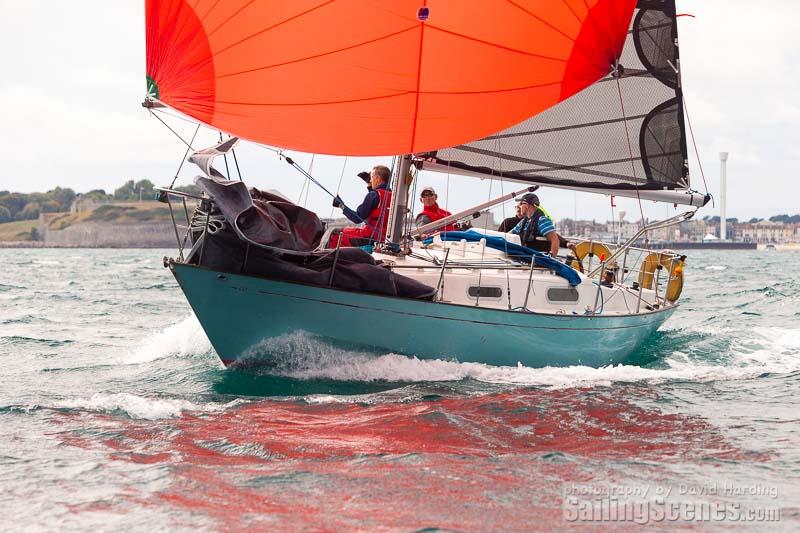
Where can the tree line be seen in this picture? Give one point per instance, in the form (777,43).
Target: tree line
(28,206)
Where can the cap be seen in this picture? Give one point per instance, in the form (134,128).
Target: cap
(529,198)
(427,189)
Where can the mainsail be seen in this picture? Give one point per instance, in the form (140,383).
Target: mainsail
(623,135)
(358,77)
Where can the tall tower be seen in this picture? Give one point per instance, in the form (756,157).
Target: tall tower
(723,161)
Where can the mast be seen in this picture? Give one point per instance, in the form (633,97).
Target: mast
(723,229)
(399,205)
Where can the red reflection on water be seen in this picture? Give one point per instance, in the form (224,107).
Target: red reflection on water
(534,421)
(460,463)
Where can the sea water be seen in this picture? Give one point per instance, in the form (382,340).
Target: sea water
(116,413)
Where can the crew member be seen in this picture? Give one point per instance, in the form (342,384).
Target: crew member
(536,229)
(431,212)
(373,212)
(509,223)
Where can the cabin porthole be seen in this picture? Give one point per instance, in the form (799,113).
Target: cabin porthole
(559,296)
(492,293)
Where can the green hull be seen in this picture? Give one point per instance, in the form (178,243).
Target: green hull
(241,313)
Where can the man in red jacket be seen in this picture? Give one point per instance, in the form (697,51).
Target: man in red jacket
(373,213)
(431,212)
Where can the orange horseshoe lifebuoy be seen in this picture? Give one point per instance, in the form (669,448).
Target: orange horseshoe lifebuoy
(674,267)
(589,249)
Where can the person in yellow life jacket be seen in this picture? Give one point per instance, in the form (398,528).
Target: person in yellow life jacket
(536,229)
(431,212)
(373,212)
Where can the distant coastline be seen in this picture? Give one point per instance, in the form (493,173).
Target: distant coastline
(61,218)
(131,218)
(129,224)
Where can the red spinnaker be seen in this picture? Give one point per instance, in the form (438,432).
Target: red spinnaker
(365,77)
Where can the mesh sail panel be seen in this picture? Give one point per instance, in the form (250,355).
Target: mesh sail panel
(583,142)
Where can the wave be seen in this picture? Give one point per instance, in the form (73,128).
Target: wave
(183,339)
(140,407)
(716,267)
(26,319)
(766,351)
(20,340)
(698,354)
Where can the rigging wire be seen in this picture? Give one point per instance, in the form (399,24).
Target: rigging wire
(173,115)
(613,221)
(485,227)
(225,157)
(503,213)
(236,162)
(272,149)
(694,144)
(302,171)
(630,151)
(447,190)
(183,160)
(175,132)
(409,220)
(306,183)
(339,185)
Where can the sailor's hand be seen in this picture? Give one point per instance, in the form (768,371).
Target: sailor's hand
(364,176)
(337,202)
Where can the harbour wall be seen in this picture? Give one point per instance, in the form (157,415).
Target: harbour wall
(109,235)
(714,245)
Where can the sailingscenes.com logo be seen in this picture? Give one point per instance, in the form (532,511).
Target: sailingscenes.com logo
(646,504)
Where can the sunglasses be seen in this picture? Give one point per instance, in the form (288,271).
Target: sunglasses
(427,195)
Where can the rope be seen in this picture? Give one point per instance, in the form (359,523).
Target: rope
(633,165)
(201,218)
(189,147)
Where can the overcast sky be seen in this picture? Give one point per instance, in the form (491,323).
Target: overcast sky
(73,80)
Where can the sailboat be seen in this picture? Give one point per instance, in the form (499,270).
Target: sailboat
(577,94)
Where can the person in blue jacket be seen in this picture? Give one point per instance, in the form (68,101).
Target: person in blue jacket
(536,229)
(373,212)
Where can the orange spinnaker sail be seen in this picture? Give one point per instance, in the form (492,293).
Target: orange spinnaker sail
(376,77)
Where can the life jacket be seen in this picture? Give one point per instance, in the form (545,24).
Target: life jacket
(435,213)
(529,235)
(378,219)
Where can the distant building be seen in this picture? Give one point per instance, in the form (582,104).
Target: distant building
(83,202)
(766,232)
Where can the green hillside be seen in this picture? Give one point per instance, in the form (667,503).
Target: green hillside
(18,231)
(117,213)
